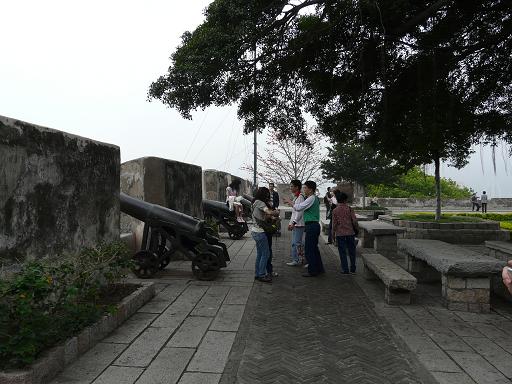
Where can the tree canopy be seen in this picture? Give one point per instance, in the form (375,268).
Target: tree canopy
(420,80)
(416,183)
(359,163)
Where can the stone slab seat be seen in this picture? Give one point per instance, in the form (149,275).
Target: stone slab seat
(500,249)
(381,236)
(399,283)
(466,275)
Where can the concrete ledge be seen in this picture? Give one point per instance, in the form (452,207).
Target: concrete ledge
(377,227)
(501,246)
(53,361)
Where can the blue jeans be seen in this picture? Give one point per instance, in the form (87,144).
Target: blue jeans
(297,234)
(347,242)
(270,267)
(262,253)
(315,265)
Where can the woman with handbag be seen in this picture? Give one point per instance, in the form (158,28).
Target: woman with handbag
(262,222)
(345,229)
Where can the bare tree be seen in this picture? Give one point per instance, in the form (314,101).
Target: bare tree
(286,159)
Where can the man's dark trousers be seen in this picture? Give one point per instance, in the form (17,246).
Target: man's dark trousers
(315,265)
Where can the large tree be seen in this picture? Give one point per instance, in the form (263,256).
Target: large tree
(359,163)
(422,81)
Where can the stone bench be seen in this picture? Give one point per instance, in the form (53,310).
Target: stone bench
(381,236)
(399,283)
(465,274)
(501,250)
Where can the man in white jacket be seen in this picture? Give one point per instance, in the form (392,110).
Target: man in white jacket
(296,224)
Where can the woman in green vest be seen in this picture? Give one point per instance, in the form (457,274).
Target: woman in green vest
(311,208)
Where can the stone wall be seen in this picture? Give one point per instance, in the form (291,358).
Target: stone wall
(168,183)
(430,204)
(215,183)
(58,192)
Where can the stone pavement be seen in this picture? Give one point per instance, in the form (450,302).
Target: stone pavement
(455,347)
(297,330)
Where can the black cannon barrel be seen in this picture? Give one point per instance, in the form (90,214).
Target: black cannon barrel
(215,205)
(145,211)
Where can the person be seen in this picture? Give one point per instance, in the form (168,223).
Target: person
(327,203)
(344,226)
(474,202)
(269,234)
(311,208)
(483,201)
(507,276)
(233,200)
(332,205)
(296,224)
(260,212)
(274,201)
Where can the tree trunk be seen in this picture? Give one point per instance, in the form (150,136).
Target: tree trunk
(364,196)
(438,188)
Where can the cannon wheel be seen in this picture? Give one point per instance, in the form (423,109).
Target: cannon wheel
(236,232)
(146,264)
(205,266)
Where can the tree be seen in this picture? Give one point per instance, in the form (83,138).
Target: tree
(359,163)
(419,81)
(416,183)
(286,159)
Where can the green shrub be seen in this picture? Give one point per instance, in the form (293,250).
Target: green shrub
(445,218)
(49,301)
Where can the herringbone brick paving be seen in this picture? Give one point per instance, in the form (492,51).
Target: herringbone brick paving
(314,330)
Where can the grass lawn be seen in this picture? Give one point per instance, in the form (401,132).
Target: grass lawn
(504,219)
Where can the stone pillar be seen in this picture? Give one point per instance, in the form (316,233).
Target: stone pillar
(366,239)
(386,245)
(470,294)
(423,272)
(395,296)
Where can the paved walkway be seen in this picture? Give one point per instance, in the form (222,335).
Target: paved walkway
(297,330)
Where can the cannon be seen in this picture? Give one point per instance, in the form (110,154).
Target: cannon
(166,232)
(220,212)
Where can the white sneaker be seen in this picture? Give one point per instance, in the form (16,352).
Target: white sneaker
(306,265)
(292,264)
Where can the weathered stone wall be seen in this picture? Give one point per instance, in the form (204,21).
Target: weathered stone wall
(168,183)
(215,183)
(58,192)
(451,204)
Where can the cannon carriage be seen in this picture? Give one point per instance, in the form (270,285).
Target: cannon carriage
(166,232)
(220,212)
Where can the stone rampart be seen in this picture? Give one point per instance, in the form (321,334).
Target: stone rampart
(168,183)
(215,182)
(58,192)
(447,204)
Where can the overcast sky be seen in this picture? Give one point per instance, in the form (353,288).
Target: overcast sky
(85,67)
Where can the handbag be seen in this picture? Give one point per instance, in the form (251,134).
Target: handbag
(269,225)
(356,229)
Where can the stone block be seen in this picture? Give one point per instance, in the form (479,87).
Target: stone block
(116,375)
(60,192)
(167,367)
(454,281)
(17,377)
(397,297)
(45,368)
(478,282)
(190,333)
(84,340)
(368,274)
(212,355)
(228,318)
(70,350)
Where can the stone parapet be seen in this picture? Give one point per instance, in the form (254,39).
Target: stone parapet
(59,192)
